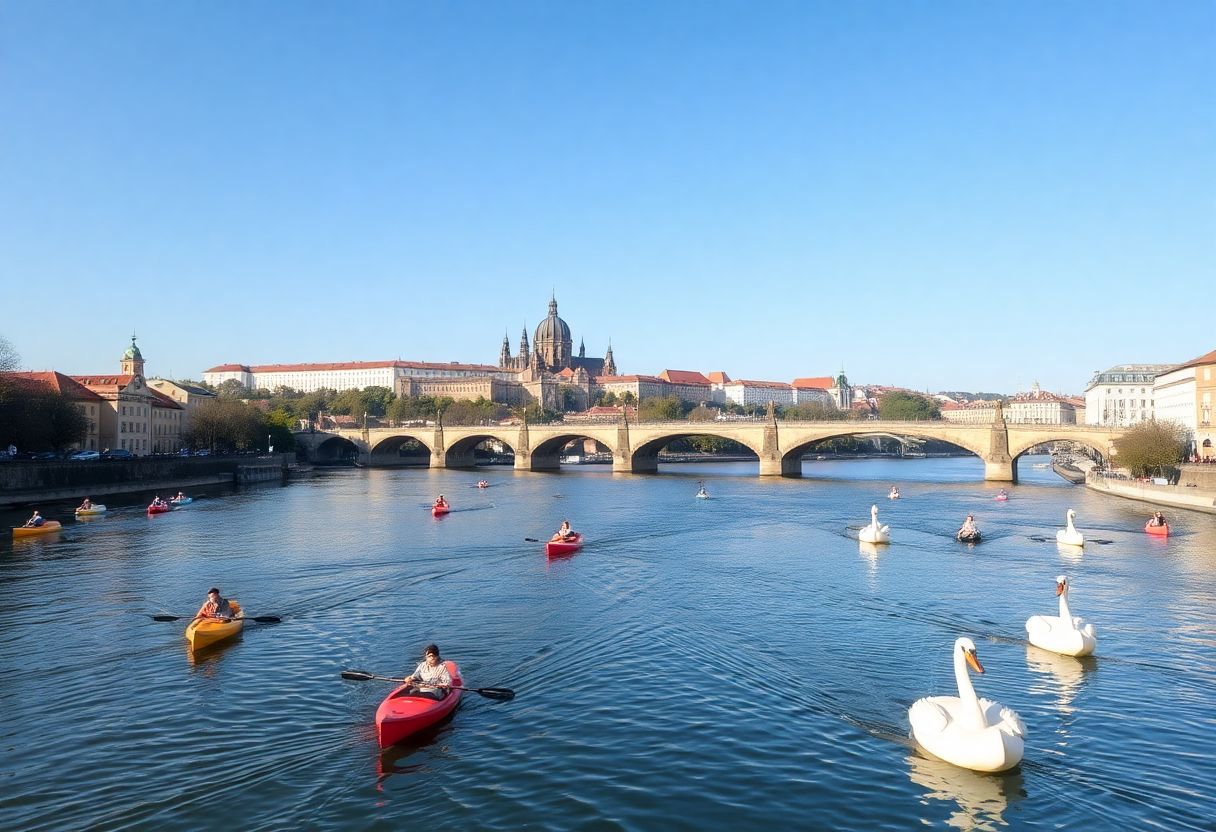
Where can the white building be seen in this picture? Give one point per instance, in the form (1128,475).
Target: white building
(745,392)
(350,375)
(1038,407)
(1175,394)
(1123,395)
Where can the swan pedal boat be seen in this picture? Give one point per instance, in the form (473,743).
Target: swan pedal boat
(91,512)
(874,533)
(1069,535)
(203,632)
(1160,531)
(1066,633)
(439,511)
(33,531)
(559,548)
(401,715)
(970,732)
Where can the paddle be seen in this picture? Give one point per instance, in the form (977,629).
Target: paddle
(260,619)
(504,694)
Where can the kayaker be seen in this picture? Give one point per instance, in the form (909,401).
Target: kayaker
(86,505)
(969,528)
(894,495)
(441,502)
(215,606)
(180,496)
(36,521)
(430,678)
(1158,519)
(564,533)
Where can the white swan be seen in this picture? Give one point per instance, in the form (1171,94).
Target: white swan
(1063,633)
(1070,535)
(969,732)
(874,533)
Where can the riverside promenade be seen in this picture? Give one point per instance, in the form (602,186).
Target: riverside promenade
(1196,489)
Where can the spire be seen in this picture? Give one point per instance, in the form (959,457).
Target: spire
(582,350)
(609,362)
(553,305)
(504,355)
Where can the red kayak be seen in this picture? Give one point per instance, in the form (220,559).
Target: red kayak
(439,511)
(401,715)
(1160,531)
(561,548)
(158,509)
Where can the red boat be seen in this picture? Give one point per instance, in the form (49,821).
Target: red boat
(561,548)
(1160,531)
(401,715)
(161,509)
(439,510)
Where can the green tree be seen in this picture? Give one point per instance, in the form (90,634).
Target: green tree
(905,406)
(1149,448)
(662,409)
(701,413)
(231,389)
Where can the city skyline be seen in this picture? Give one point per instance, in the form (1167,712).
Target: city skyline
(930,198)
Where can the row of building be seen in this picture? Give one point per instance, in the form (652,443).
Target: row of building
(1033,407)
(125,410)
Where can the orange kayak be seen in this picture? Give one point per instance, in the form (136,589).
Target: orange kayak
(31,531)
(1160,531)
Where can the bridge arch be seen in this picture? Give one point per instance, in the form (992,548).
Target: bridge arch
(645,454)
(546,454)
(802,441)
(461,452)
(336,450)
(400,449)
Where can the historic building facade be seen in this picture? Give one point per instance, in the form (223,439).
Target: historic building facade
(134,416)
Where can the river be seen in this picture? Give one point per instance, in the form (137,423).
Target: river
(734,662)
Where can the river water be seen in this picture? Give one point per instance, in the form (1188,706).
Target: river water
(739,661)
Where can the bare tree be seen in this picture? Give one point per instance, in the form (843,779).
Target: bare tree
(9,360)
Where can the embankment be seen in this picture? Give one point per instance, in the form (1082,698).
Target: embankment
(1176,496)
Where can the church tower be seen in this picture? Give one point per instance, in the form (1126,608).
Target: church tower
(842,393)
(504,355)
(524,349)
(609,362)
(132,363)
(582,349)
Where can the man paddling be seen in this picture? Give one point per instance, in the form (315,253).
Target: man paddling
(430,678)
(36,521)
(564,533)
(215,606)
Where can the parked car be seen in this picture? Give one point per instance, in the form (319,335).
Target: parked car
(203,452)
(85,456)
(118,453)
(44,456)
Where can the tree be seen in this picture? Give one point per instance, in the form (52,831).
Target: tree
(661,409)
(1150,447)
(9,360)
(905,406)
(226,424)
(701,413)
(231,389)
(37,418)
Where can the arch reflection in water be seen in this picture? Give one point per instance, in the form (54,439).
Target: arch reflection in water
(981,799)
(1058,675)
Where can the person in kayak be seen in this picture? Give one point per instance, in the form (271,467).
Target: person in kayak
(969,528)
(1158,519)
(36,521)
(430,678)
(701,492)
(86,505)
(180,496)
(564,533)
(215,606)
(441,502)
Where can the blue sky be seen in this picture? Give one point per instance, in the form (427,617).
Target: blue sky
(936,195)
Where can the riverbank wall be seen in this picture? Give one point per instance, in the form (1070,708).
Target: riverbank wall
(1175,496)
(22,483)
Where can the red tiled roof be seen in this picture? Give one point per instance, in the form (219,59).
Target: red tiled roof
(683,377)
(818,382)
(718,377)
(1207,358)
(116,381)
(349,365)
(159,399)
(776,385)
(64,385)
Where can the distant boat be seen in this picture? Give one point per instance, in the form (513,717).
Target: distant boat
(573,459)
(1041,465)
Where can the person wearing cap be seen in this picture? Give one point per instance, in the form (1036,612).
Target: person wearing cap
(430,678)
(215,606)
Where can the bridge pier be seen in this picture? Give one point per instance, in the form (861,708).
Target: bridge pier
(1001,470)
(531,461)
(785,466)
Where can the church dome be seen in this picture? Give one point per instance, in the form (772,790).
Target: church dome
(132,351)
(553,328)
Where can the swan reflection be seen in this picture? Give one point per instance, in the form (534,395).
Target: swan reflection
(981,799)
(1059,675)
(1069,552)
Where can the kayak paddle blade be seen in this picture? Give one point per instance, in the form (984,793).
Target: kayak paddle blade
(267,619)
(358,675)
(166,617)
(502,694)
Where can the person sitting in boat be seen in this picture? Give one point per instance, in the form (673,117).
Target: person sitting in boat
(36,521)
(969,528)
(430,678)
(1158,519)
(215,606)
(86,505)
(179,498)
(701,492)
(894,495)
(564,533)
(441,502)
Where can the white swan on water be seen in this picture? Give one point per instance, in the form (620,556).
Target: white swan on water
(973,733)
(1070,535)
(874,533)
(1064,633)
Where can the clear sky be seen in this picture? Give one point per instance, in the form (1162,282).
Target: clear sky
(944,195)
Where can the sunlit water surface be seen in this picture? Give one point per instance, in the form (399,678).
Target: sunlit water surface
(736,661)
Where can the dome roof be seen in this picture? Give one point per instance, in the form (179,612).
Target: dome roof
(132,351)
(552,328)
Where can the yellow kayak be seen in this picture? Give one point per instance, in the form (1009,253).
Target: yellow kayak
(89,512)
(202,632)
(46,528)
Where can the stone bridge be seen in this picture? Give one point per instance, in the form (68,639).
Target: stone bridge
(635,446)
